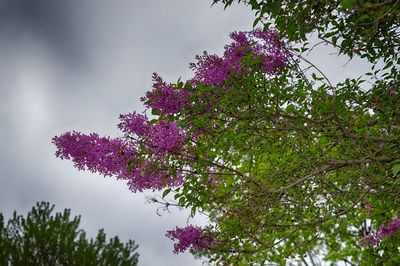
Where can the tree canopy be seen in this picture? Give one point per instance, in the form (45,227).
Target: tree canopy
(46,239)
(287,166)
(366,28)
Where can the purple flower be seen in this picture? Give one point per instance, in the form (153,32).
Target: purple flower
(371,239)
(210,69)
(392,227)
(112,157)
(164,98)
(166,137)
(213,179)
(214,70)
(374,237)
(151,176)
(134,123)
(105,155)
(190,237)
(160,138)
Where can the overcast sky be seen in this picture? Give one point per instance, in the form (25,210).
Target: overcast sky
(76,65)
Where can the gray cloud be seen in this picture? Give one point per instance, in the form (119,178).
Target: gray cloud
(49,22)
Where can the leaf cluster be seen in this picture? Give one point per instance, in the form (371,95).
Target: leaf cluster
(294,161)
(368,28)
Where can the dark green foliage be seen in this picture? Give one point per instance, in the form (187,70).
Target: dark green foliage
(46,239)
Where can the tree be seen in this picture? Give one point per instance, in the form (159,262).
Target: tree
(46,239)
(287,166)
(366,28)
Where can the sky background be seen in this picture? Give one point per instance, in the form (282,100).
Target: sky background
(76,65)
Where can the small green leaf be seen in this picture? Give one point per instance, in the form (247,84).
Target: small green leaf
(291,28)
(396,169)
(182,201)
(254,4)
(154,112)
(346,4)
(290,108)
(256,21)
(129,169)
(166,192)
(363,17)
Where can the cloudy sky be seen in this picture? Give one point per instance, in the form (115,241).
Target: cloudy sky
(77,65)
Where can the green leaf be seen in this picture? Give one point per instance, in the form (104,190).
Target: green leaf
(166,192)
(254,4)
(182,201)
(154,112)
(290,108)
(129,169)
(346,4)
(256,21)
(363,17)
(396,169)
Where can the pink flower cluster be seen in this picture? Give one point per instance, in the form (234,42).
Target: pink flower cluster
(271,49)
(190,237)
(134,124)
(151,176)
(265,45)
(164,98)
(162,138)
(113,157)
(104,155)
(166,137)
(374,237)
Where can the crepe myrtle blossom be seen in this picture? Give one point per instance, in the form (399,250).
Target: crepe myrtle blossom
(263,45)
(190,237)
(374,237)
(164,98)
